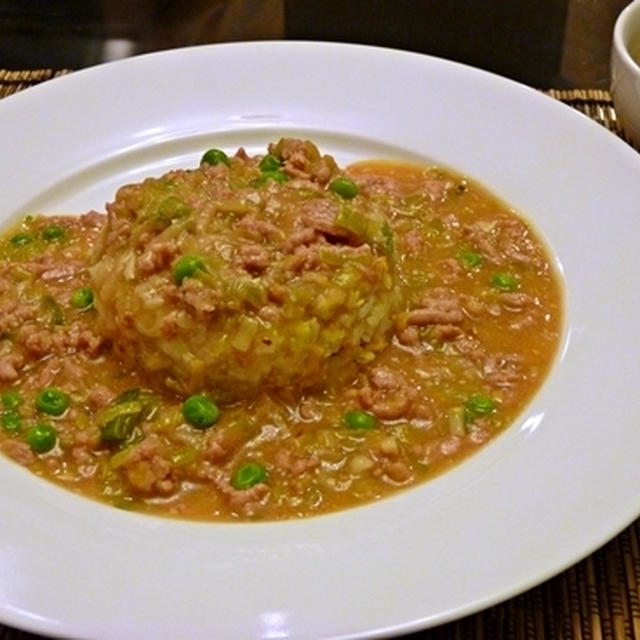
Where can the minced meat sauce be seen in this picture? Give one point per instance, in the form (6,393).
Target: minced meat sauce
(270,337)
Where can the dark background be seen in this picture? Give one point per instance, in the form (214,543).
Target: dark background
(543,43)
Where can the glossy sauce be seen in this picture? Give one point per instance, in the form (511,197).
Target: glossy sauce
(474,334)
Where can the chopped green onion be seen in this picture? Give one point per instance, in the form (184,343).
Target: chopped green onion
(456,419)
(50,304)
(387,232)
(133,394)
(170,209)
(117,422)
(352,220)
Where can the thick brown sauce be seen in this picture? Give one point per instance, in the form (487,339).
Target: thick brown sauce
(480,319)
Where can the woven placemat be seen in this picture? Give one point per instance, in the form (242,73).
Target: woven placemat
(12,81)
(598,598)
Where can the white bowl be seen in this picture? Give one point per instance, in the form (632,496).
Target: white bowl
(549,490)
(625,70)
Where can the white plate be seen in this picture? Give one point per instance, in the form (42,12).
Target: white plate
(558,484)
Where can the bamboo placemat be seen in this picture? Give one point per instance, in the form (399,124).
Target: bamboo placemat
(598,598)
(12,81)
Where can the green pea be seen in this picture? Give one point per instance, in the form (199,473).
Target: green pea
(478,405)
(53,232)
(11,422)
(52,401)
(470,259)
(215,156)
(359,420)
(21,239)
(344,187)
(200,412)
(248,475)
(42,438)
(270,163)
(276,176)
(187,267)
(11,399)
(82,298)
(504,281)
